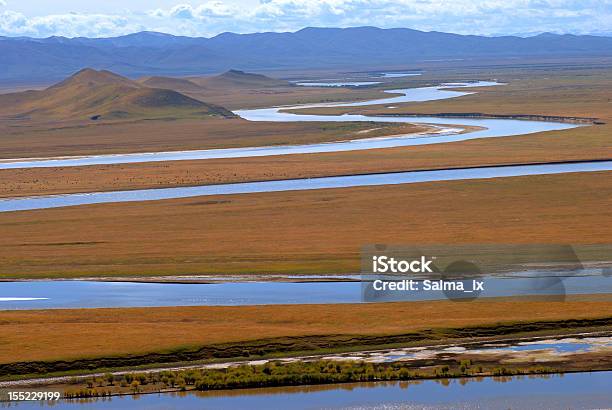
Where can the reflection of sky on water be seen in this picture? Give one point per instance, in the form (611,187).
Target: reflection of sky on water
(398,75)
(576,391)
(338,84)
(55,201)
(81,294)
(567,345)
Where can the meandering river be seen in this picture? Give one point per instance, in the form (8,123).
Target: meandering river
(582,390)
(446,132)
(488,128)
(98,294)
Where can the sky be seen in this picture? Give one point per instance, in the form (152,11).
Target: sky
(106,18)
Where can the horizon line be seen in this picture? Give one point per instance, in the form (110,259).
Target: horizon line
(535,34)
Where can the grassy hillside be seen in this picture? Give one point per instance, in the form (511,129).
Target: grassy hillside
(237,89)
(229,80)
(176,84)
(103,95)
(238,79)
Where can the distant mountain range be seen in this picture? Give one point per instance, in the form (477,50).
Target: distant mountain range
(148,53)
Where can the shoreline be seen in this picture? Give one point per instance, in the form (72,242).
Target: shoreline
(487,166)
(428,129)
(205,279)
(303,346)
(473,344)
(522,117)
(416,378)
(325,277)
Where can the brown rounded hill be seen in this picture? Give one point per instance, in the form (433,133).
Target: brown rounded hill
(96,95)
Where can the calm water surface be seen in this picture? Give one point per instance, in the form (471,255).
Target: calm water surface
(398,75)
(90,294)
(569,391)
(338,84)
(577,391)
(56,201)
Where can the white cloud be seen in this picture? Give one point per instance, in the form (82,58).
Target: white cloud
(12,22)
(70,25)
(217,9)
(156,13)
(182,11)
(214,16)
(211,9)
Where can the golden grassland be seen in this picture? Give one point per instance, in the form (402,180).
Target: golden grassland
(294,232)
(573,94)
(241,98)
(570,92)
(81,333)
(300,232)
(56,121)
(35,181)
(562,146)
(323,231)
(78,138)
